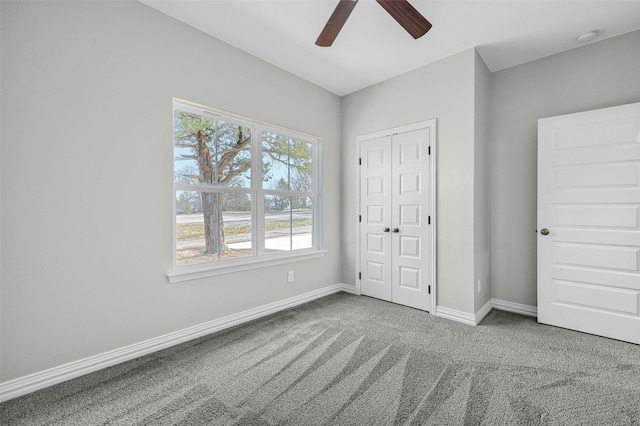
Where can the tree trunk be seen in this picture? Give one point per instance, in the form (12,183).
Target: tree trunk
(213,225)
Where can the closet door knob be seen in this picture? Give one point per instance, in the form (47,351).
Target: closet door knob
(544,231)
(396,230)
(385,229)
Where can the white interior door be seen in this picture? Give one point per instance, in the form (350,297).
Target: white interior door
(589,222)
(410,219)
(395,224)
(375,219)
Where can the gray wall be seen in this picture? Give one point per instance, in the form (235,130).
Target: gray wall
(86,179)
(482,191)
(445,91)
(598,75)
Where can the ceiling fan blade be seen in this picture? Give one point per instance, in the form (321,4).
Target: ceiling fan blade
(335,22)
(407,16)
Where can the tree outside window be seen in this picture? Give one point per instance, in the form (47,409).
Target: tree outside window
(216,188)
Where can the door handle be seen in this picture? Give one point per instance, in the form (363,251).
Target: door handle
(396,230)
(544,231)
(385,229)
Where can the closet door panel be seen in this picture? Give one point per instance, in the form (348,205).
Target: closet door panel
(410,199)
(375,239)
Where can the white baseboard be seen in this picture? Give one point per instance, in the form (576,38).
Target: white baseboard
(470,319)
(40,380)
(518,308)
(455,315)
(348,288)
(483,312)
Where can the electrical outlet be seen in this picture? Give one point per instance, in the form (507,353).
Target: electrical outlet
(479,286)
(290,276)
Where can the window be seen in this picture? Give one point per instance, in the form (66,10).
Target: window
(245,193)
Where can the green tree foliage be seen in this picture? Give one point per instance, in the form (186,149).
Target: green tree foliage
(185,202)
(294,154)
(221,150)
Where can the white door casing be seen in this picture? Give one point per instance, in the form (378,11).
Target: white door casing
(589,209)
(397,227)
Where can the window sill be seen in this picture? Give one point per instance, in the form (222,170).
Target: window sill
(187,273)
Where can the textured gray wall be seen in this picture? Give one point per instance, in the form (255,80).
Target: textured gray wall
(598,75)
(87,177)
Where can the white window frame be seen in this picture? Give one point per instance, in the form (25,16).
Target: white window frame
(259,257)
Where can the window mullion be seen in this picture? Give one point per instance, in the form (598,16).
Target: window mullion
(288,193)
(316,188)
(258,238)
(209,188)
(290,223)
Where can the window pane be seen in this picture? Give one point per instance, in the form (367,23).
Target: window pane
(236,214)
(212,226)
(302,223)
(288,223)
(286,163)
(208,151)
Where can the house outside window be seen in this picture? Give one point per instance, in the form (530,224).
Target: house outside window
(246,193)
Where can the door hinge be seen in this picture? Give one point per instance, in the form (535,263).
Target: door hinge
(429,220)
(359,275)
(429,150)
(429,289)
(360,218)
(360,161)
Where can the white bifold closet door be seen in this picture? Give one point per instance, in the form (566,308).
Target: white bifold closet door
(395,231)
(589,222)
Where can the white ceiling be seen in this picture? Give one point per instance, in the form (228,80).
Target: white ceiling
(372,47)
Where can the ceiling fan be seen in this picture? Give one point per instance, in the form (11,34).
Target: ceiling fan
(406,15)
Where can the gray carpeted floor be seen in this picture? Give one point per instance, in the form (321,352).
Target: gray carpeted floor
(350,360)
